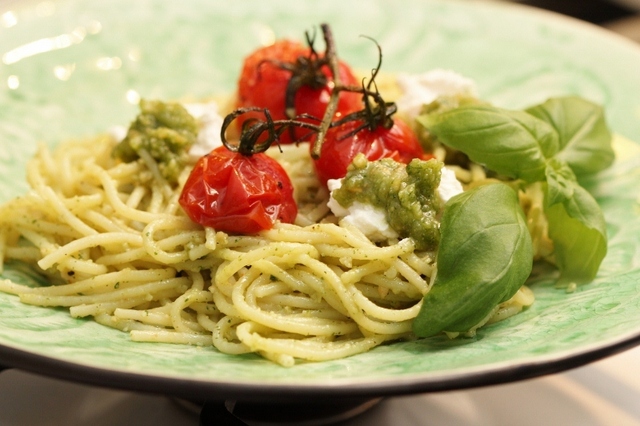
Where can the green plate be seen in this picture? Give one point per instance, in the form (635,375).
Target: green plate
(73,68)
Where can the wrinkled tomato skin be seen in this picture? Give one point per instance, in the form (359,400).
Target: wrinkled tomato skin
(238,194)
(263,84)
(399,143)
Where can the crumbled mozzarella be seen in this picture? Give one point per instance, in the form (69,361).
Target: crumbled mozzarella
(449,185)
(118,133)
(209,123)
(417,90)
(371,220)
(420,89)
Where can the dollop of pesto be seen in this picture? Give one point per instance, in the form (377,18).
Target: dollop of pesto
(406,193)
(166,131)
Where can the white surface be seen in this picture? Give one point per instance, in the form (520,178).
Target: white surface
(603,393)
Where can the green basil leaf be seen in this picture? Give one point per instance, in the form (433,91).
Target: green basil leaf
(584,138)
(576,226)
(561,182)
(484,257)
(512,143)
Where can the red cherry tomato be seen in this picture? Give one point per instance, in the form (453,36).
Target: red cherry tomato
(263,83)
(236,193)
(399,142)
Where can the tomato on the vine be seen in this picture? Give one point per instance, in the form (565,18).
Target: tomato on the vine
(268,72)
(343,142)
(237,193)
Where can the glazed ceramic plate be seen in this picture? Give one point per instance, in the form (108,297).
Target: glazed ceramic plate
(73,68)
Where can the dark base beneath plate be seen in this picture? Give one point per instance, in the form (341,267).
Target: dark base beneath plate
(239,413)
(595,11)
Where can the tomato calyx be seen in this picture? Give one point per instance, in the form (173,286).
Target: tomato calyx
(376,113)
(290,79)
(305,71)
(257,135)
(372,131)
(371,117)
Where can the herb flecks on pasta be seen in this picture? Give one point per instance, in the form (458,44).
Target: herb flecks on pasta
(124,252)
(254,248)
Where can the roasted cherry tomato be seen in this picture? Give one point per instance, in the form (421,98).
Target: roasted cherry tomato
(237,193)
(270,71)
(341,145)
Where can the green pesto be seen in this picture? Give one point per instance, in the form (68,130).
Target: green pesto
(163,129)
(407,194)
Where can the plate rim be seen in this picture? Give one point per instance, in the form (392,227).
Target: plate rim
(482,375)
(191,388)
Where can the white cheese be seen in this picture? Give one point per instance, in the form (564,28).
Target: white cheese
(449,185)
(420,89)
(209,127)
(118,133)
(371,220)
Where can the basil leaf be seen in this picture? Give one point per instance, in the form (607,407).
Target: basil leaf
(561,182)
(512,143)
(485,256)
(576,226)
(584,138)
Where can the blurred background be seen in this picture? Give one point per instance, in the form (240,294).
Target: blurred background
(621,16)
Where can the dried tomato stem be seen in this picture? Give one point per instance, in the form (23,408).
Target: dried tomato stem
(252,136)
(332,106)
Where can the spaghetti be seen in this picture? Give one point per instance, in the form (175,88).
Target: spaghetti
(114,242)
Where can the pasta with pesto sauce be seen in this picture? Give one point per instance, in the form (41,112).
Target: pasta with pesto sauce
(114,242)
